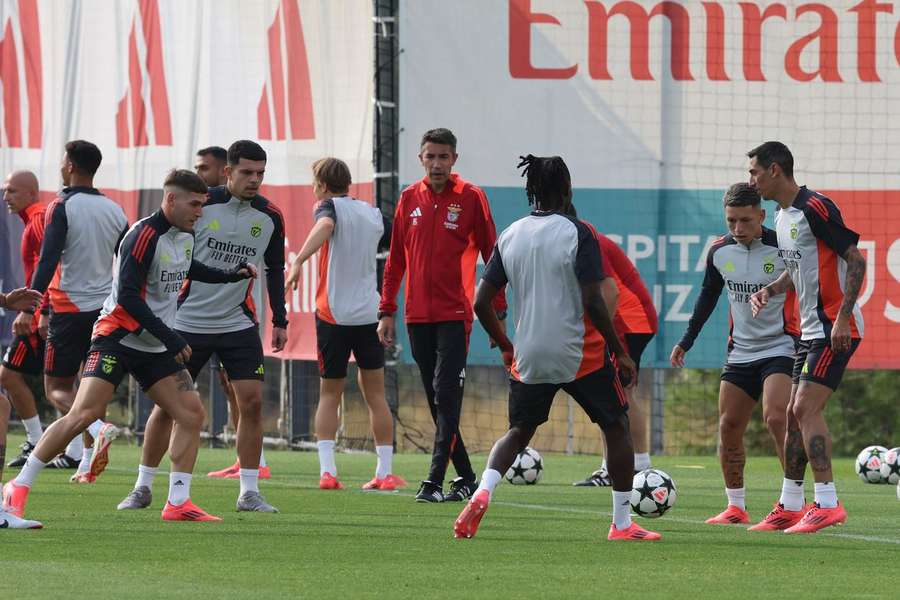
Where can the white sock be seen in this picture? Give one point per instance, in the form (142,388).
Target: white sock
(641,461)
(95,427)
(326,457)
(262,458)
(489,480)
(385,460)
(33,429)
(249,480)
(826,495)
(621,510)
(145,477)
(31,469)
(736,497)
(179,488)
(603,465)
(75,449)
(85,465)
(792,494)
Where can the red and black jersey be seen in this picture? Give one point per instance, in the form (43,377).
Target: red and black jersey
(436,240)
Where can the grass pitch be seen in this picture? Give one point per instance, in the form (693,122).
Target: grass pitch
(543,541)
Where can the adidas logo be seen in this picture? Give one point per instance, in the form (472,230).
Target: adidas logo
(179,482)
(416,213)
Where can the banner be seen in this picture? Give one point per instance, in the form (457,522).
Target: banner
(152,81)
(654,105)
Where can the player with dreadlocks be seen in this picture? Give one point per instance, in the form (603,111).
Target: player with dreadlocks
(551,259)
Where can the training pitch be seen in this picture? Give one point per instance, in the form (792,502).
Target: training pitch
(543,541)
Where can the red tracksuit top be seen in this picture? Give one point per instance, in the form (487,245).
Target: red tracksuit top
(32,238)
(437,239)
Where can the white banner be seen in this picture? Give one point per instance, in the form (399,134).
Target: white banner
(151,81)
(646,94)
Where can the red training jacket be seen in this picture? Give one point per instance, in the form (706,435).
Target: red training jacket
(437,239)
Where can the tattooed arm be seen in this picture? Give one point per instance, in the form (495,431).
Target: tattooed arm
(856,270)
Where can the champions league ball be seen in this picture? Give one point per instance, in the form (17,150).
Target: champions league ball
(653,493)
(527,468)
(868,464)
(890,466)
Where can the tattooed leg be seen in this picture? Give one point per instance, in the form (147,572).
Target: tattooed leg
(735,411)
(808,409)
(176,396)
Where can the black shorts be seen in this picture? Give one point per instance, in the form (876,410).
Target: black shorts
(111,361)
(240,352)
(751,376)
(816,362)
(600,394)
(635,344)
(25,354)
(68,342)
(336,342)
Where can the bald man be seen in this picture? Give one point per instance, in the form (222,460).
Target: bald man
(25,356)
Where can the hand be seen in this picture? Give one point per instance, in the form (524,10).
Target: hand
(503,326)
(22,324)
(627,370)
(840,335)
(386,330)
(43,325)
(246,270)
(184,355)
(759,300)
(677,357)
(23,300)
(293,278)
(508,357)
(279,339)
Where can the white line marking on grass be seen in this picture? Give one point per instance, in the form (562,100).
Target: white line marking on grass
(560,509)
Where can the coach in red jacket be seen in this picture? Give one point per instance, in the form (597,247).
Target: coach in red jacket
(440,226)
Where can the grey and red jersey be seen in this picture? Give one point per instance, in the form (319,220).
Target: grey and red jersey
(812,241)
(82,230)
(546,258)
(230,231)
(347,292)
(152,262)
(742,271)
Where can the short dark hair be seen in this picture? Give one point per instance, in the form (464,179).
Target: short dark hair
(84,156)
(245,149)
(571,211)
(548,182)
(218,152)
(185,180)
(774,153)
(333,173)
(741,194)
(441,135)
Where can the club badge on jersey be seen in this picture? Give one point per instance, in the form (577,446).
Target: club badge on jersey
(453,212)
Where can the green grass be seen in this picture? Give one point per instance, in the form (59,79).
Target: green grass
(544,541)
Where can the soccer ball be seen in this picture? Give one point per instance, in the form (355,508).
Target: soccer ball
(890,466)
(653,493)
(868,464)
(526,469)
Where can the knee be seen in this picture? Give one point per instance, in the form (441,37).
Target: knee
(81,417)
(801,409)
(192,414)
(250,406)
(520,435)
(730,425)
(776,422)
